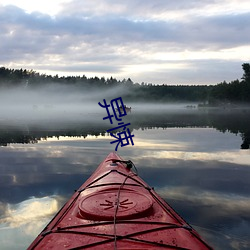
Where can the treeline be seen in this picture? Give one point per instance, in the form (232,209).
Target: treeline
(234,92)
(237,91)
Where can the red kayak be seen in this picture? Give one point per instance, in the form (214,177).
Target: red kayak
(116,209)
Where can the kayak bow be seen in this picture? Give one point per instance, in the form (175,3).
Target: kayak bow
(116,209)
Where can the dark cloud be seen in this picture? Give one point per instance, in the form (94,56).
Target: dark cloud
(225,31)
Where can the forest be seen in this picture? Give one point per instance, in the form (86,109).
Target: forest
(224,93)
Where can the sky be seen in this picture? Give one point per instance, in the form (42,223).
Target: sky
(151,41)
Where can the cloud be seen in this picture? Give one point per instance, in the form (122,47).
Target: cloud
(115,38)
(143,10)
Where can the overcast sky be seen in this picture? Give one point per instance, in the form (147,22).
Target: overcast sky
(154,41)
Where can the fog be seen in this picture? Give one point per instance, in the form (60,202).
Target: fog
(65,103)
(55,102)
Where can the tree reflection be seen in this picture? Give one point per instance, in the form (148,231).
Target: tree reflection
(231,121)
(246,141)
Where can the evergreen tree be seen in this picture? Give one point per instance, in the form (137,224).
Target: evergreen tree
(246,69)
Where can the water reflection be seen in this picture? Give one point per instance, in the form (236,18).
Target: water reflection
(33,209)
(23,131)
(20,222)
(195,166)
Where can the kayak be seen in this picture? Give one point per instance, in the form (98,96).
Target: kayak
(116,209)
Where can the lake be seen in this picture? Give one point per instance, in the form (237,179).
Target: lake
(198,160)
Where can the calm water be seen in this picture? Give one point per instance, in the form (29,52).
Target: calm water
(193,158)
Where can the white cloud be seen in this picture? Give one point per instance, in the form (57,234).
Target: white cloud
(45,6)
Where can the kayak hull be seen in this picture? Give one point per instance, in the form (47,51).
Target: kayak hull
(116,209)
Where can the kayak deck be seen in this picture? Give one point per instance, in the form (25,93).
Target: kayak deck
(116,209)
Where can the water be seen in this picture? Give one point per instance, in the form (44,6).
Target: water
(193,159)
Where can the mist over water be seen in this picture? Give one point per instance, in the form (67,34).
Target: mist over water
(30,114)
(63,103)
(50,103)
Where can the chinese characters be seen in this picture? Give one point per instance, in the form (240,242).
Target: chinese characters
(124,137)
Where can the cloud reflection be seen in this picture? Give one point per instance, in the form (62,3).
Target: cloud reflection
(225,215)
(206,181)
(228,203)
(22,222)
(223,156)
(28,212)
